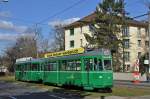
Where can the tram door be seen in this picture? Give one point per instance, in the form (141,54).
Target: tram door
(88,64)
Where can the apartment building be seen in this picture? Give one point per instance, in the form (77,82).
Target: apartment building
(135,38)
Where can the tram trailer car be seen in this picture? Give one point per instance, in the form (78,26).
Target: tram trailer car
(90,70)
(31,70)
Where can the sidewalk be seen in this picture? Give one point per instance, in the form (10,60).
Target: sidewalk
(119,97)
(131,84)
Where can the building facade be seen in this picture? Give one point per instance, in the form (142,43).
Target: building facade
(135,39)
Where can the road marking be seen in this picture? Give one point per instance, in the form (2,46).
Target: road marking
(12,97)
(57,97)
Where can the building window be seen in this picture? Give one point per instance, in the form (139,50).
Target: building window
(139,55)
(127,56)
(147,55)
(72,43)
(139,43)
(126,43)
(128,67)
(81,42)
(146,32)
(139,33)
(146,43)
(125,31)
(81,29)
(72,31)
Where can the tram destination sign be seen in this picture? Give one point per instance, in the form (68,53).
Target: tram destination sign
(64,53)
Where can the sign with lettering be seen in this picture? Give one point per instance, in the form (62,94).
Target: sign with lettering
(64,53)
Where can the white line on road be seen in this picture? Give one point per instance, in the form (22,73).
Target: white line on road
(57,97)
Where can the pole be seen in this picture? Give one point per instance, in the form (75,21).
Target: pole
(36,33)
(123,17)
(149,36)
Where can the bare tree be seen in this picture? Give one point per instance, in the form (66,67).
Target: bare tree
(1,60)
(44,45)
(26,46)
(59,38)
(10,58)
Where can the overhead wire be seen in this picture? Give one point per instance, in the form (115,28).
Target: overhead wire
(62,11)
(54,15)
(140,16)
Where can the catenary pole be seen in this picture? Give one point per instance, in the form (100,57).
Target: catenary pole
(149,37)
(123,17)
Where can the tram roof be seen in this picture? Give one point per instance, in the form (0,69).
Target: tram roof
(98,52)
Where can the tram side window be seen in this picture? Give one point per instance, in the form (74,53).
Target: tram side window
(25,67)
(46,67)
(20,68)
(34,67)
(42,66)
(78,65)
(95,64)
(63,65)
(100,64)
(88,64)
(52,66)
(29,66)
(49,67)
(73,65)
(107,65)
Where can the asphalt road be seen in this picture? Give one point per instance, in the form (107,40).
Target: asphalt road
(44,95)
(21,90)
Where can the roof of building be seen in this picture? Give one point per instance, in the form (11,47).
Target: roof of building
(88,19)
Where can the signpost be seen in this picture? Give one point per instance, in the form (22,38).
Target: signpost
(64,53)
(136,73)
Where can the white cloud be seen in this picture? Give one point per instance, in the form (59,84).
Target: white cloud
(10,31)
(8,37)
(12,37)
(6,25)
(64,22)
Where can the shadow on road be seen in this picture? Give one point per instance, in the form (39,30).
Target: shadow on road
(71,93)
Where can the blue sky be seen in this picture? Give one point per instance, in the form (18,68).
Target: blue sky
(17,15)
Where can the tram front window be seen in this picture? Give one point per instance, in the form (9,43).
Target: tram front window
(107,65)
(98,66)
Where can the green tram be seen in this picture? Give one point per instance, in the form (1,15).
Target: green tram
(90,70)
(30,70)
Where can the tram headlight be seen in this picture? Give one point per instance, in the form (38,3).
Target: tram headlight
(100,77)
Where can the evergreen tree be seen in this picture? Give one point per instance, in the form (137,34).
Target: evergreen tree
(106,28)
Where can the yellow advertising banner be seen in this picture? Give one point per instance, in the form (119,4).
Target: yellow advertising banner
(64,53)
